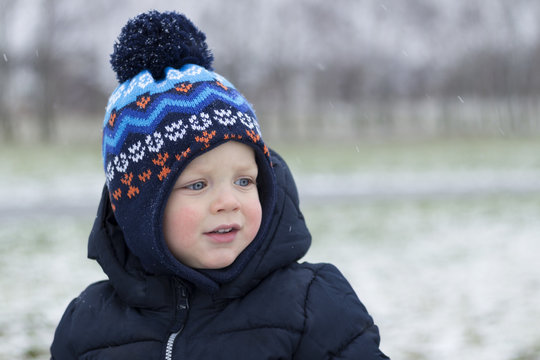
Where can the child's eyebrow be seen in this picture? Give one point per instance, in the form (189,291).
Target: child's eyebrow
(246,167)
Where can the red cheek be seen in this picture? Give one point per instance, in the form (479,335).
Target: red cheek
(187,218)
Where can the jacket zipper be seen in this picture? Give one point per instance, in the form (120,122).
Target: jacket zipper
(182,307)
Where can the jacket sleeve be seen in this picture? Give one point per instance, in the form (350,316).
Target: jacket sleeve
(336,323)
(61,348)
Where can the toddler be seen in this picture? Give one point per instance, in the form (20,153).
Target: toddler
(199,229)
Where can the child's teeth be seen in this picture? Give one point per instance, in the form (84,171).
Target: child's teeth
(222,231)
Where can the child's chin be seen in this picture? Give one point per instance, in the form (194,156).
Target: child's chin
(216,264)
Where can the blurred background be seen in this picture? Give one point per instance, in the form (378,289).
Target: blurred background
(412,128)
(313,70)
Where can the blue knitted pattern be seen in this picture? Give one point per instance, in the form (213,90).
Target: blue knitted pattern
(189,104)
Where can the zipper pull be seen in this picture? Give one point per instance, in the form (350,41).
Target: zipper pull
(183,303)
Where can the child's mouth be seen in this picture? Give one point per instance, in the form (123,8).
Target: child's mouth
(224,229)
(224,233)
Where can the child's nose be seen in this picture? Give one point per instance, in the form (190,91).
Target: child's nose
(225,200)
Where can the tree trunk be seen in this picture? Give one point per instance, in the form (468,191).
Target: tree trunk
(6,125)
(46,73)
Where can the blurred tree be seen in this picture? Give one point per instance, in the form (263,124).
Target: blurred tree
(6,7)
(66,65)
(300,62)
(46,72)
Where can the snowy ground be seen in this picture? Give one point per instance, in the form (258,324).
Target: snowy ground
(450,278)
(444,257)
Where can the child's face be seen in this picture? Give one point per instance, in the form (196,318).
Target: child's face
(214,212)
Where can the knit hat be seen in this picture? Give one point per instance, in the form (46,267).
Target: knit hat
(169,108)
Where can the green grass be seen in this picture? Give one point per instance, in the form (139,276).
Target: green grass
(504,153)
(471,153)
(49,160)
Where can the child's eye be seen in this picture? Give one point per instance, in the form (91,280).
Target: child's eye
(243,182)
(199,185)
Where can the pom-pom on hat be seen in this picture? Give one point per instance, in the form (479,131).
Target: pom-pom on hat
(153,41)
(169,108)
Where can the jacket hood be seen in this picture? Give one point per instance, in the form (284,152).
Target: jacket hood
(286,241)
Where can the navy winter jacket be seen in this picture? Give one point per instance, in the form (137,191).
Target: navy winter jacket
(275,309)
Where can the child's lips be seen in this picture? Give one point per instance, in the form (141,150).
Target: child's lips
(223,233)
